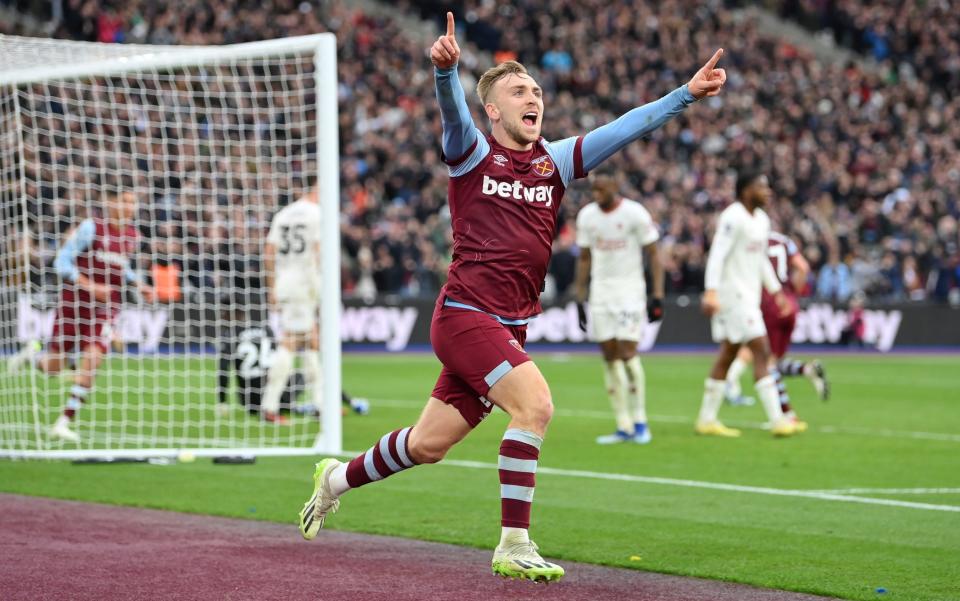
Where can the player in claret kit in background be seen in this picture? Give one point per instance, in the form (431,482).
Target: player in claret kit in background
(612,234)
(737,269)
(95,262)
(504,195)
(792,269)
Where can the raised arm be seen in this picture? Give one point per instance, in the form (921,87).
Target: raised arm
(601,143)
(459,132)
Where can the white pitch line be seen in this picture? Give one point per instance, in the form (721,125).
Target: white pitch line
(818,495)
(679,419)
(890,491)
(888,433)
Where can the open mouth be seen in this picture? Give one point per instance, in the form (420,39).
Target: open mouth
(530,118)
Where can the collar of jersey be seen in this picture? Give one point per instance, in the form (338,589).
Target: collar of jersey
(507,322)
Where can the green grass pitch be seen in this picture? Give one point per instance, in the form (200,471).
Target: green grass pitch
(891,432)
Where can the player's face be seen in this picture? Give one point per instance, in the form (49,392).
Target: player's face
(761,192)
(604,190)
(122,207)
(518,104)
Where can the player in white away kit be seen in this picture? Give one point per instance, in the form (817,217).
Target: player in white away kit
(612,234)
(736,268)
(291,260)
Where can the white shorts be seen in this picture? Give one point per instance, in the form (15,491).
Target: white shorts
(738,325)
(611,323)
(298,316)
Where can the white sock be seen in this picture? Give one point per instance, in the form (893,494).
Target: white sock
(767,391)
(712,398)
(313,373)
(615,377)
(733,377)
(277,379)
(637,393)
(513,535)
(338,479)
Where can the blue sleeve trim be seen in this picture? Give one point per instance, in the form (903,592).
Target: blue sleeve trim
(565,154)
(130,275)
(459,131)
(80,240)
(469,161)
(601,143)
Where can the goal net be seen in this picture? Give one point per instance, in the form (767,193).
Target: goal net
(209,142)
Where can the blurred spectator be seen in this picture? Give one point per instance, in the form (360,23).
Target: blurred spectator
(852,333)
(834,281)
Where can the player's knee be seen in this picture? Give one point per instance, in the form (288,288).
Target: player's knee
(50,367)
(538,410)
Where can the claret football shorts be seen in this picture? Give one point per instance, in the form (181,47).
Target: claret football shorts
(476,351)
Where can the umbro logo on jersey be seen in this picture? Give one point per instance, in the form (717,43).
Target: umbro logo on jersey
(518,191)
(500,160)
(516,345)
(543,166)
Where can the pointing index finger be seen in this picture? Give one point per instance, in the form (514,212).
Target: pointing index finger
(451,30)
(714,59)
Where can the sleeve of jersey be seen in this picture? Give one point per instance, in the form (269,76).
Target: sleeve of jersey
(719,249)
(568,157)
(130,275)
(648,233)
(601,143)
(463,146)
(80,240)
(771,282)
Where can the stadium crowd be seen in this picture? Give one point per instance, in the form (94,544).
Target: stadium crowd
(920,38)
(863,162)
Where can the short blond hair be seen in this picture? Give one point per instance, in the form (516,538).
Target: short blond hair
(494,74)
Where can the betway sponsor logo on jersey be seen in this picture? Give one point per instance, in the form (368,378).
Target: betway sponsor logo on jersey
(111,258)
(518,191)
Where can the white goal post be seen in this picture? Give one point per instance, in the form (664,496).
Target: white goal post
(212,142)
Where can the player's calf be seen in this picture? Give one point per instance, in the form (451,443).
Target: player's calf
(424,450)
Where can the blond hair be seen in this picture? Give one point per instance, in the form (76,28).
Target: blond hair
(494,74)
